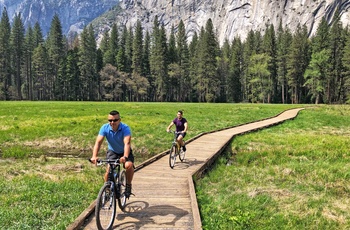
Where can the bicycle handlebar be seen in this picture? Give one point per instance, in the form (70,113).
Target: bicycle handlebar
(107,161)
(170,131)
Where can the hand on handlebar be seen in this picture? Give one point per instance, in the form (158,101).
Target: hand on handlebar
(93,160)
(122,160)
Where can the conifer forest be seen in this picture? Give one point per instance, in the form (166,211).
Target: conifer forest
(131,64)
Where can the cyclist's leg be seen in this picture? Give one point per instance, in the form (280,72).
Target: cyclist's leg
(111,156)
(129,167)
(180,139)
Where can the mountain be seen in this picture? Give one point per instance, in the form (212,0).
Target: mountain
(74,14)
(230,17)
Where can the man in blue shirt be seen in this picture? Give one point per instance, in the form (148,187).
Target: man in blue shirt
(118,137)
(181,128)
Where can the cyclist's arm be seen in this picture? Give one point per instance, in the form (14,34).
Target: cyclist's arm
(171,124)
(127,146)
(186,126)
(97,146)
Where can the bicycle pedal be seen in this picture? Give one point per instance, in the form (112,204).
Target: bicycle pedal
(128,195)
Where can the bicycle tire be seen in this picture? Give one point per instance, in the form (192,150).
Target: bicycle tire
(105,211)
(182,155)
(122,186)
(172,156)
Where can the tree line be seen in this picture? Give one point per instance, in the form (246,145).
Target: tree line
(131,64)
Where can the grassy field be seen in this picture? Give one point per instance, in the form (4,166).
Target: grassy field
(44,146)
(292,176)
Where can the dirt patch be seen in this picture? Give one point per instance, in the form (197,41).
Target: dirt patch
(272,192)
(59,143)
(332,215)
(65,168)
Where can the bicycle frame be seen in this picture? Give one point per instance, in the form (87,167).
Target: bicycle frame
(175,142)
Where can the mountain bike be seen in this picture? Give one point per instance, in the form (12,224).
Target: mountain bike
(112,190)
(175,151)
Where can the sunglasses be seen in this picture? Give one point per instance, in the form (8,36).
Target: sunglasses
(115,120)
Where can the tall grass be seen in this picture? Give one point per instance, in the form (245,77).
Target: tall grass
(42,188)
(291,176)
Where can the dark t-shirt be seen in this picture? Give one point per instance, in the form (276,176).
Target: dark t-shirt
(180,124)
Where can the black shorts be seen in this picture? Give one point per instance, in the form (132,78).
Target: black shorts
(113,156)
(181,134)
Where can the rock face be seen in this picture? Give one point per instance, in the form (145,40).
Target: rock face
(230,17)
(74,14)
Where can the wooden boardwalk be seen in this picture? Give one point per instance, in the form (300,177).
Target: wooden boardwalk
(165,198)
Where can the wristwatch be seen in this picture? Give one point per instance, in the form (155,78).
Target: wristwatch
(126,158)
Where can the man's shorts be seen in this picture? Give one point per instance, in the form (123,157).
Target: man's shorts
(113,156)
(181,134)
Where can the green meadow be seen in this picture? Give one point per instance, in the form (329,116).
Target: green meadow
(284,177)
(291,176)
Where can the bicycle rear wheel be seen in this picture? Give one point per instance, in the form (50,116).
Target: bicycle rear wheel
(122,187)
(172,156)
(105,208)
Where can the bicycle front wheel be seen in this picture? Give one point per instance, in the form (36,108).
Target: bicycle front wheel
(172,156)
(105,208)
(182,155)
(122,187)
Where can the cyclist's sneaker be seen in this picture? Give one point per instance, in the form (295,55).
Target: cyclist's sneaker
(184,148)
(128,192)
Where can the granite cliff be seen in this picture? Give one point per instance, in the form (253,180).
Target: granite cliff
(74,14)
(230,17)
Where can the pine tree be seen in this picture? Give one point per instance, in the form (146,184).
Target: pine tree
(158,60)
(38,35)
(298,60)
(129,50)
(137,50)
(234,85)
(146,69)
(72,73)
(260,74)
(112,47)
(40,73)
(17,44)
(141,83)
(87,65)
(284,40)
(56,49)
(209,83)
(270,47)
(320,41)
(28,55)
(346,69)
(193,52)
(335,81)
(5,56)
(183,56)
(249,49)
(315,75)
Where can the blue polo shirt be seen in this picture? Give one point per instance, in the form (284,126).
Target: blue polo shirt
(115,140)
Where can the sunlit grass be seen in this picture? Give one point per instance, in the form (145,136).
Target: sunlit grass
(71,127)
(291,176)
